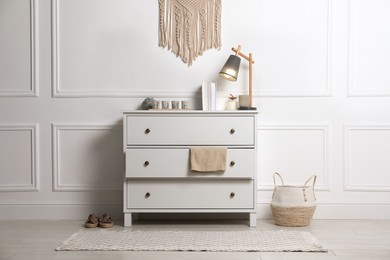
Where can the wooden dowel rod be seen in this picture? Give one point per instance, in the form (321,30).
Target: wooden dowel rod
(237,51)
(250,80)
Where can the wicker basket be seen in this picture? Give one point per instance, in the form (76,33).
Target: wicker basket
(293,206)
(292,216)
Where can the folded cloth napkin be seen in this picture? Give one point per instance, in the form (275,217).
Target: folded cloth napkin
(208,159)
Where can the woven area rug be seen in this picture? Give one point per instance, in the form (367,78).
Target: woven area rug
(237,241)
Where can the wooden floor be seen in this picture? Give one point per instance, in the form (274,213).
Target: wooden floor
(345,239)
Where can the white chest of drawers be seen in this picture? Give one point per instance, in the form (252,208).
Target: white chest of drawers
(158,176)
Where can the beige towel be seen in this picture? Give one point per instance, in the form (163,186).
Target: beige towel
(208,159)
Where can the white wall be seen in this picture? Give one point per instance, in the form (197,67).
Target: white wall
(69,67)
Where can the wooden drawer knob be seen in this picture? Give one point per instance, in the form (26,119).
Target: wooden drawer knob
(232,131)
(146,163)
(232,163)
(147,195)
(147,131)
(232,194)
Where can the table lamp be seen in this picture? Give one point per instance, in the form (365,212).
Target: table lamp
(230,72)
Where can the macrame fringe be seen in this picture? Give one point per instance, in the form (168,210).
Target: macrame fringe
(189,27)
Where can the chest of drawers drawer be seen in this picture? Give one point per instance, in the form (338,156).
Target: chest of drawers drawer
(196,130)
(175,163)
(176,194)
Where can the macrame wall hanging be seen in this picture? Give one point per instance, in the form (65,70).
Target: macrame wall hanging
(189,27)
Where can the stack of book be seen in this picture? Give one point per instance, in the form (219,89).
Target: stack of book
(209,95)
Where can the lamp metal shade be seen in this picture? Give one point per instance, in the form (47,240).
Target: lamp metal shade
(231,68)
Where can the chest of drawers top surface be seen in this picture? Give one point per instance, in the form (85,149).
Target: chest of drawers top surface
(189,128)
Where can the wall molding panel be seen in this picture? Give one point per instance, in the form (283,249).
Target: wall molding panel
(373,70)
(32,89)
(366,162)
(13,152)
(59,91)
(319,133)
(67,162)
(322,88)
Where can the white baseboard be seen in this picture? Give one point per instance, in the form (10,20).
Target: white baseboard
(81,212)
(338,211)
(57,212)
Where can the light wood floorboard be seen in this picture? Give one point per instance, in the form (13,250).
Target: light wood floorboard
(345,239)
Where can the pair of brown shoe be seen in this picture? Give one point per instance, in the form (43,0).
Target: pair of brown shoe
(104,222)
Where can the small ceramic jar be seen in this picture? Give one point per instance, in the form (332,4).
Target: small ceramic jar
(185,104)
(165,104)
(175,104)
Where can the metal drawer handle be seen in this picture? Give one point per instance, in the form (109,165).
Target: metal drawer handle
(147,195)
(147,131)
(232,163)
(146,163)
(232,194)
(232,131)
